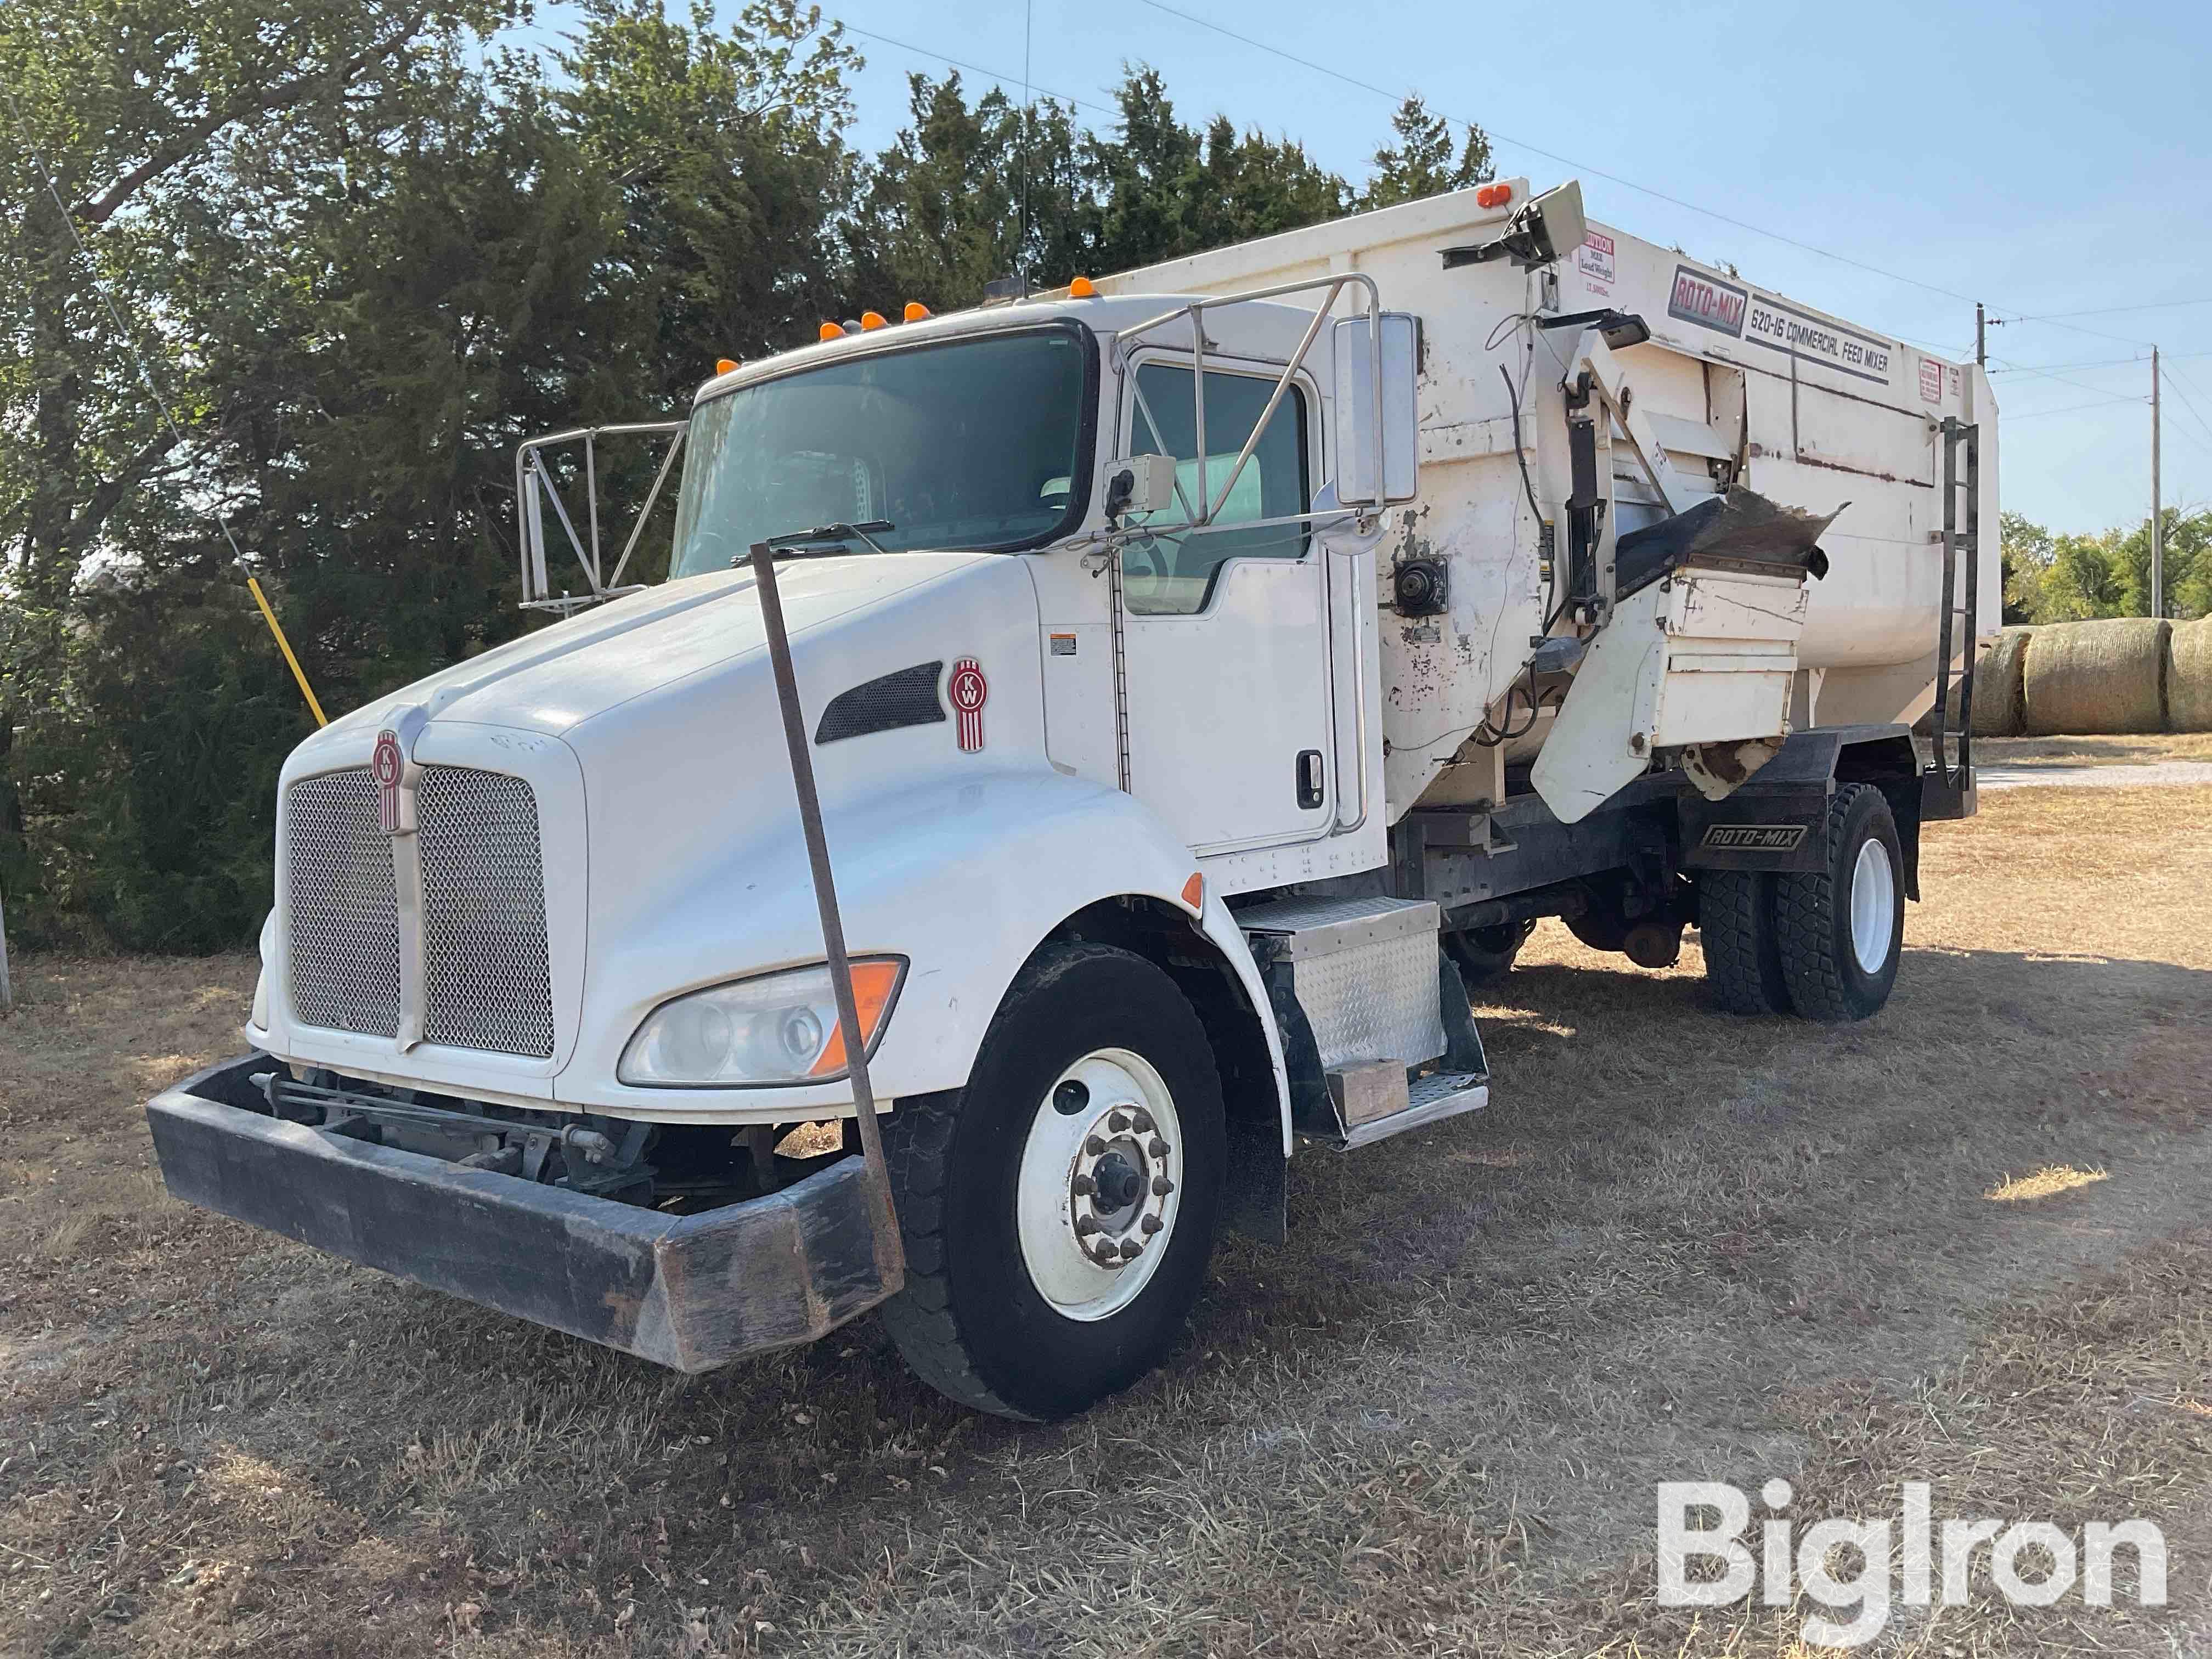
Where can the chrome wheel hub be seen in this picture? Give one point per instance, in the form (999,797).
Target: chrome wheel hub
(1099,1185)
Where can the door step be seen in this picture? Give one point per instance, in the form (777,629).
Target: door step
(1429,1100)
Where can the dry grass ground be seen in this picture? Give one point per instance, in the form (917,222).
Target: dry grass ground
(1966,1243)
(2092,751)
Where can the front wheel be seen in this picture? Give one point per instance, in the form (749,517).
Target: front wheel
(1059,1212)
(1839,929)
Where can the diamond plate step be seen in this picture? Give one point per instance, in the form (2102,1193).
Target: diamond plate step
(1431,1099)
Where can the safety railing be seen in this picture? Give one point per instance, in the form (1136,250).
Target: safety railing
(535,488)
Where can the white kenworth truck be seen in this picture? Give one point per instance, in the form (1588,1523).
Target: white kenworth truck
(1105,734)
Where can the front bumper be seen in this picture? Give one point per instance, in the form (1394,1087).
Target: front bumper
(691,1292)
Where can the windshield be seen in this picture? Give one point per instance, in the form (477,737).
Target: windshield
(976,443)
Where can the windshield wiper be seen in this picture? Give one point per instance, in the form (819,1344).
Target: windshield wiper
(840,534)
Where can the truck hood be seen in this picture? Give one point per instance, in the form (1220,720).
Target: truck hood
(554,679)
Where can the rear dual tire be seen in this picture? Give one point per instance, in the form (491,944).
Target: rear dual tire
(1821,944)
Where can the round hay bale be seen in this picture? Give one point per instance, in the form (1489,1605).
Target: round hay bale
(1997,708)
(2105,676)
(2189,677)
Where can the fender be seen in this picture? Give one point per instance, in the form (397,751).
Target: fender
(964,877)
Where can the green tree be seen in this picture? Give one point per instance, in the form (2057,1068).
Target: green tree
(1424,161)
(2026,555)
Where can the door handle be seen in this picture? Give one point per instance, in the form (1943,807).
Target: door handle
(1311,779)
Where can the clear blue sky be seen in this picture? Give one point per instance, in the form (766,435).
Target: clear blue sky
(2042,157)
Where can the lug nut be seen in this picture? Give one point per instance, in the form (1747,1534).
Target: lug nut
(1108,1256)
(1141,1122)
(1162,1185)
(1119,1123)
(1094,1146)
(1086,1225)
(1085,1186)
(1152,1224)
(1129,1248)
(1159,1148)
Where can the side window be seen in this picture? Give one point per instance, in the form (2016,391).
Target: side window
(1174,574)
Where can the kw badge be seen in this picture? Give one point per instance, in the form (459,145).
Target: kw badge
(386,766)
(968,690)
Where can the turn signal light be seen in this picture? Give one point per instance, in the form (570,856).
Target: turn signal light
(873,320)
(831,331)
(1493,196)
(1194,891)
(872,985)
(724,365)
(1082,288)
(915,310)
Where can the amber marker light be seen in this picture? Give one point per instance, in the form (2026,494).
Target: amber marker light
(1493,196)
(873,320)
(1083,289)
(1194,891)
(831,331)
(915,310)
(726,365)
(873,982)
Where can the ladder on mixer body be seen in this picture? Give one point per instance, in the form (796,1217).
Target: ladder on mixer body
(1955,772)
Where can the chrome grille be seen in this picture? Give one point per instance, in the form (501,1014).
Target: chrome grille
(343,906)
(486,978)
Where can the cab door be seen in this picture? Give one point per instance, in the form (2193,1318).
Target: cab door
(1226,629)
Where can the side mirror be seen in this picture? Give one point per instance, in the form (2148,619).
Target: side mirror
(1541,229)
(1377,419)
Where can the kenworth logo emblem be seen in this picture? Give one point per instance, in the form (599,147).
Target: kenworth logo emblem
(1753,837)
(385,767)
(969,691)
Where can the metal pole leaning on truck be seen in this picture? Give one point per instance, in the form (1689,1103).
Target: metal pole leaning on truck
(890,1248)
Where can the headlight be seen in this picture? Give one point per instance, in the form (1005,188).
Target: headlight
(779,1028)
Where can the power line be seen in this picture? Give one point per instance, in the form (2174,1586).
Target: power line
(2109,311)
(973,68)
(2071,408)
(2175,380)
(2045,374)
(1563,161)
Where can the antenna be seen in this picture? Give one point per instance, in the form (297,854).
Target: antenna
(1022,244)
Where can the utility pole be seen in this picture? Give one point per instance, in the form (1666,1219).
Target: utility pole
(1981,337)
(2157,515)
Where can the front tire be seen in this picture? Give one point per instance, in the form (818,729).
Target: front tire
(1840,929)
(1059,1212)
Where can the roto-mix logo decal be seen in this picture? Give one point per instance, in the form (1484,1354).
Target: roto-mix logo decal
(1707,301)
(1863,1567)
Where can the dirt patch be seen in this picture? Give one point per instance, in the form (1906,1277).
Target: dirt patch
(1680,1246)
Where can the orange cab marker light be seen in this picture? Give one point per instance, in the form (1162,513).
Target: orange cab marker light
(873,320)
(872,985)
(1082,288)
(916,312)
(1493,196)
(831,331)
(724,365)
(1194,891)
